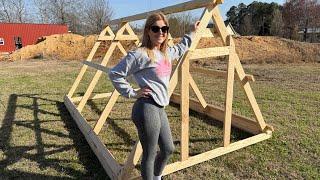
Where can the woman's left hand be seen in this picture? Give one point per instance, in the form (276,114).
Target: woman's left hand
(196,26)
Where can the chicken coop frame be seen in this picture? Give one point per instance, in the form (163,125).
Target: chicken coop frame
(258,127)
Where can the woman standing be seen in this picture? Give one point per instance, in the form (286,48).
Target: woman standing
(151,67)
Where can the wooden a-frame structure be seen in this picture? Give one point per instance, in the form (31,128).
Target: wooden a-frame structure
(258,127)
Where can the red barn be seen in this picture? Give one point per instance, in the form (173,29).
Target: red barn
(16,35)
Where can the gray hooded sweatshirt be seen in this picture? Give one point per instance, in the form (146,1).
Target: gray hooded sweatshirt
(155,75)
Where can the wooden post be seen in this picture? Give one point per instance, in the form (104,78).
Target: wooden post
(96,77)
(229,95)
(89,58)
(184,108)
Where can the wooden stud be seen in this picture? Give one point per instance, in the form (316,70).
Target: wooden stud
(96,96)
(197,91)
(247,78)
(184,108)
(228,97)
(107,36)
(217,113)
(249,93)
(207,32)
(204,21)
(174,77)
(83,70)
(210,52)
(239,69)
(195,4)
(96,66)
(131,35)
(219,24)
(170,168)
(98,126)
(96,77)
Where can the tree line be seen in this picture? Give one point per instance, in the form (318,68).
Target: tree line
(272,19)
(91,16)
(81,16)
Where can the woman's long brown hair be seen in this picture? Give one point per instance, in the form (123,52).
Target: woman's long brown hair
(146,42)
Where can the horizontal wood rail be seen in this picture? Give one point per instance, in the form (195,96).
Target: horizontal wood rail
(217,113)
(96,66)
(210,52)
(195,4)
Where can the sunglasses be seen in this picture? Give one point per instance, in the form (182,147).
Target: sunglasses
(156,29)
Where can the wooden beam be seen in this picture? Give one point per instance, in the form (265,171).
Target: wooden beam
(170,168)
(83,70)
(174,77)
(239,69)
(229,95)
(210,52)
(121,48)
(105,157)
(249,93)
(113,99)
(219,24)
(120,36)
(204,21)
(96,76)
(107,36)
(96,96)
(195,4)
(197,91)
(96,66)
(217,113)
(247,78)
(207,32)
(184,108)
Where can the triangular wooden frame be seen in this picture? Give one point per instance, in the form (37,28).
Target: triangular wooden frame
(258,126)
(106,34)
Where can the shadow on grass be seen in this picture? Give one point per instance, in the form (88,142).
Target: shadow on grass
(14,154)
(45,151)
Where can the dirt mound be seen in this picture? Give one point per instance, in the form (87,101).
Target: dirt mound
(65,46)
(267,49)
(251,49)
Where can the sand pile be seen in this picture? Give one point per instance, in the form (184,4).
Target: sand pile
(258,49)
(265,49)
(251,49)
(64,47)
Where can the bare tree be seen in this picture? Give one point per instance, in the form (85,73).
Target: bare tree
(303,14)
(12,11)
(180,24)
(42,11)
(96,14)
(60,12)
(277,23)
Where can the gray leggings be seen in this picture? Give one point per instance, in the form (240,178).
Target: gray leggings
(153,128)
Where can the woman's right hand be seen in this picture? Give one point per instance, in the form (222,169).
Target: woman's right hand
(144,92)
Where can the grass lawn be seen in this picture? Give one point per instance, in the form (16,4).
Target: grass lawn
(39,139)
